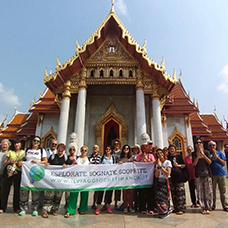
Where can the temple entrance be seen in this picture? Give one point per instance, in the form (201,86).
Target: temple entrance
(110,126)
(111,132)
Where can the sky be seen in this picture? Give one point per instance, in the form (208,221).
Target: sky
(191,35)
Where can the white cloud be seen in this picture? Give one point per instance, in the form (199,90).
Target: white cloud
(121,7)
(223,86)
(7,97)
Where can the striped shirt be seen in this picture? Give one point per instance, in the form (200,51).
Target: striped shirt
(95,159)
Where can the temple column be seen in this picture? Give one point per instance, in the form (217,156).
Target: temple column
(80,110)
(64,114)
(188,130)
(158,136)
(140,108)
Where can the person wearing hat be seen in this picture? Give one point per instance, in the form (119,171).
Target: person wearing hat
(135,150)
(13,156)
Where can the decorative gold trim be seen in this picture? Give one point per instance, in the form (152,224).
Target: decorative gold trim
(111,114)
(40,119)
(82,82)
(47,137)
(58,100)
(96,35)
(163,120)
(187,119)
(139,81)
(155,92)
(66,94)
(183,139)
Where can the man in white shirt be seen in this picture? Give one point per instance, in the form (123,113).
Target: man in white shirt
(52,149)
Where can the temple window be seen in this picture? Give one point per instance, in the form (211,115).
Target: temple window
(92,73)
(130,74)
(112,49)
(177,142)
(101,73)
(121,73)
(111,73)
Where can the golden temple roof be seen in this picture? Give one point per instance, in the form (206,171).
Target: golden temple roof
(110,23)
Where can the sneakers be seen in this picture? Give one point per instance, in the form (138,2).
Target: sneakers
(151,212)
(143,212)
(131,210)
(125,210)
(94,207)
(21,213)
(164,216)
(34,213)
(109,210)
(97,212)
(170,210)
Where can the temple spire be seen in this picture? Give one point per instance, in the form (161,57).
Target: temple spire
(112,9)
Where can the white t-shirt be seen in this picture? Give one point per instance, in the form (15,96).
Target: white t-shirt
(165,164)
(32,154)
(81,161)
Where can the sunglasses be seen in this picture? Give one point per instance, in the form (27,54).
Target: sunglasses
(198,142)
(72,149)
(83,150)
(126,148)
(60,149)
(54,144)
(35,140)
(212,145)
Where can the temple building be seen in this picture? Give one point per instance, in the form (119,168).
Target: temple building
(112,89)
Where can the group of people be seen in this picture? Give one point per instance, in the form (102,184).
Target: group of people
(201,168)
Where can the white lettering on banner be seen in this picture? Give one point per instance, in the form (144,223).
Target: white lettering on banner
(75,178)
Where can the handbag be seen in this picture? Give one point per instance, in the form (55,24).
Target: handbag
(179,175)
(11,170)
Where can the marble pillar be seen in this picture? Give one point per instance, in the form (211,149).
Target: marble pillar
(64,114)
(79,127)
(158,136)
(140,109)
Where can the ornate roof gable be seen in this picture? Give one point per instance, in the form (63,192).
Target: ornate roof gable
(111,24)
(111,50)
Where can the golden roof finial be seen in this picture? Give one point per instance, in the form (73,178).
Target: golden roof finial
(40,94)
(180,75)
(30,105)
(3,123)
(34,100)
(77,47)
(214,109)
(144,47)
(112,9)
(197,104)
(57,63)
(45,73)
(225,122)
(50,71)
(174,73)
(194,101)
(188,94)
(163,62)
(144,44)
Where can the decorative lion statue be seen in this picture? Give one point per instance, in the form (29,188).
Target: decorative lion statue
(73,141)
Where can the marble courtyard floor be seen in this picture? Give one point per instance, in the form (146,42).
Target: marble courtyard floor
(191,219)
